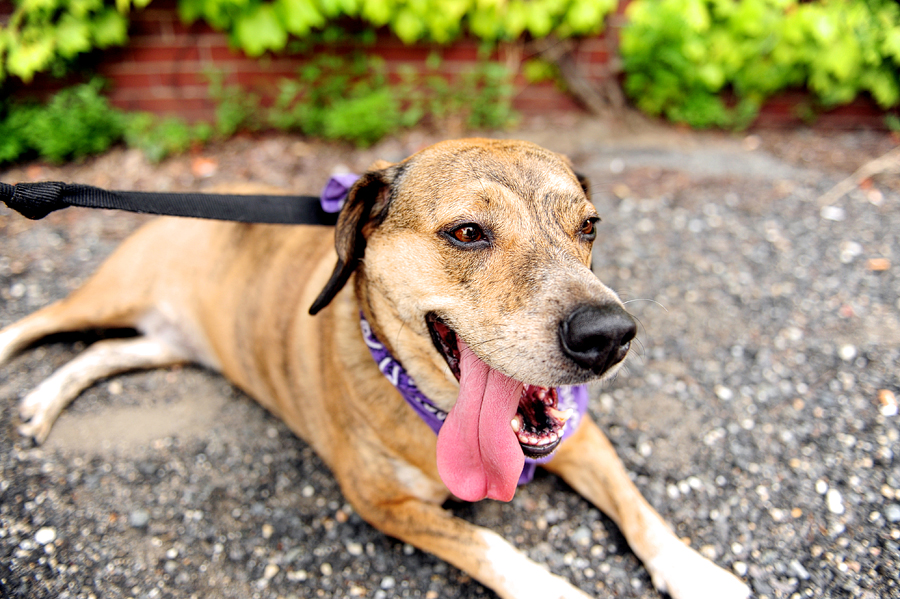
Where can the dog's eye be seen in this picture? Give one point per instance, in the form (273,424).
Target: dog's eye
(468,233)
(589,228)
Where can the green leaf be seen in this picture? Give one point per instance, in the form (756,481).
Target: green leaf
(540,23)
(586,16)
(82,8)
(27,58)
(31,6)
(109,28)
(377,12)
(885,87)
(260,30)
(190,10)
(73,36)
(408,26)
(331,8)
(891,45)
(516,18)
(299,16)
(712,76)
(824,27)
(696,15)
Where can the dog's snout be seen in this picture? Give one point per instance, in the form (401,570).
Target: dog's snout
(597,337)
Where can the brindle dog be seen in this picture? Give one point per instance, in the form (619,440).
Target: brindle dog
(471,262)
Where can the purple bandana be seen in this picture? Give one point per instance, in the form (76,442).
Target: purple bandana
(336,190)
(575,397)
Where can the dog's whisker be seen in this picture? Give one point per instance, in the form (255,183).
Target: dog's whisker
(399,332)
(644,299)
(643,348)
(486,341)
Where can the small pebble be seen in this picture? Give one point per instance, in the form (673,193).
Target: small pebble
(798,569)
(847,352)
(270,571)
(888,402)
(138,518)
(388,582)
(834,501)
(892,512)
(850,250)
(878,264)
(833,213)
(45,536)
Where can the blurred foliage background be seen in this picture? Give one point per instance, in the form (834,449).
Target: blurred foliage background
(705,63)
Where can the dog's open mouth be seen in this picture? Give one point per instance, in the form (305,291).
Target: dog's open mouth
(538,423)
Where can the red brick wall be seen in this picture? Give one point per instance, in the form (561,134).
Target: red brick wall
(162,70)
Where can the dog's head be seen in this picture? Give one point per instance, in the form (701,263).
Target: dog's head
(472,263)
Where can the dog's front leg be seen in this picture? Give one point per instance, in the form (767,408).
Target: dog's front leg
(479,552)
(588,462)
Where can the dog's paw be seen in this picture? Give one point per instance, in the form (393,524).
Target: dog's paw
(685,574)
(514,576)
(548,586)
(38,411)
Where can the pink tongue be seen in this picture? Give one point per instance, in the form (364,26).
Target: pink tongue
(478,454)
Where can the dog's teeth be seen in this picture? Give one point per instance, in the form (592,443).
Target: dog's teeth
(516,425)
(552,437)
(561,416)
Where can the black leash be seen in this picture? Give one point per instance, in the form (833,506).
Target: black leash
(37,200)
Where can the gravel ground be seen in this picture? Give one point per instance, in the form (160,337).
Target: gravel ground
(758,413)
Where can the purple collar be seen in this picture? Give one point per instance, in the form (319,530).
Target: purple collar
(575,397)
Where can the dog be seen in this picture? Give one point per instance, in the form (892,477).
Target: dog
(468,265)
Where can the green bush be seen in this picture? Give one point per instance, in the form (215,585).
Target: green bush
(350,98)
(258,26)
(79,121)
(159,138)
(76,122)
(44,35)
(333,97)
(714,62)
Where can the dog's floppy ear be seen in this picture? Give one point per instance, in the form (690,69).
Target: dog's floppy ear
(366,206)
(585,184)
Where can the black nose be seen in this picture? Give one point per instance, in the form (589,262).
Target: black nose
(597,337)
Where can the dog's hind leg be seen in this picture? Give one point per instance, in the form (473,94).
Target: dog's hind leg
(102,303)
(588,462)
(40,408)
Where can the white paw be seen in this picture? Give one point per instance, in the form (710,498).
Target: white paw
(685,574)
(38,411)
(514,576)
